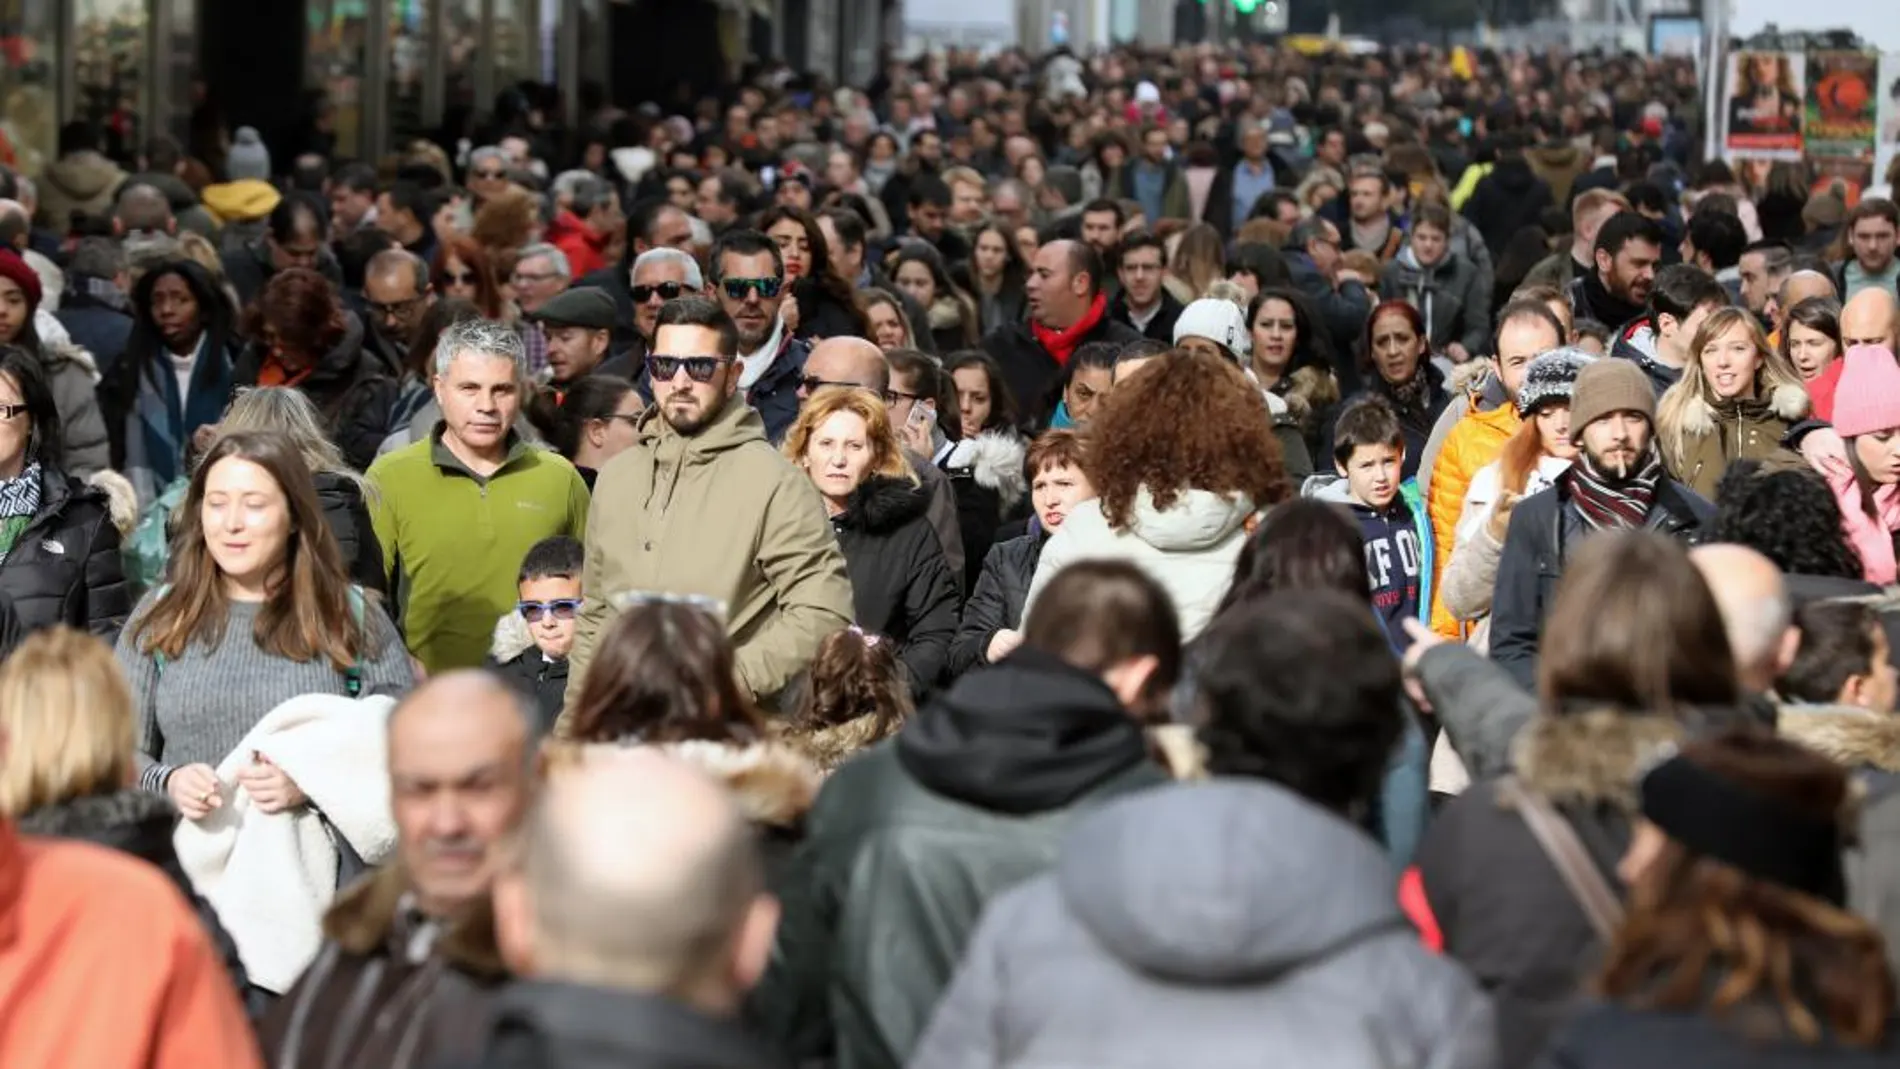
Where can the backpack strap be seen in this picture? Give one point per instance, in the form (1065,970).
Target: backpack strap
(1560,844)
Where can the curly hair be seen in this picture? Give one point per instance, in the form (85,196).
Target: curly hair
(1201,426)
(1787,515)
(300,309)
(854,676)
(506,222)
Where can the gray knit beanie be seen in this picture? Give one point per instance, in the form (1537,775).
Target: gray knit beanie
(248,157)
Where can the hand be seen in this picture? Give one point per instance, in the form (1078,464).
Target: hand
(269,786)
(1002,644)
(1821,446)
(195,790)
(1499,521)
(1423,639)
(788,315)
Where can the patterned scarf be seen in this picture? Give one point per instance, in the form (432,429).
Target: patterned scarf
(19,503)
(1610,503)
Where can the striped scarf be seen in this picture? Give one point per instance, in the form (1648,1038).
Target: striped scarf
(1609,503)
(19,503)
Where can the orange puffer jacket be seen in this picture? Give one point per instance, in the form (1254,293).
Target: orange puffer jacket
(1475,441)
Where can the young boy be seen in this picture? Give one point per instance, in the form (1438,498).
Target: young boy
(1369,455)
(531,646)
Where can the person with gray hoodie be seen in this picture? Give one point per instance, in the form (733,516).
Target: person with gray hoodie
(1216,923)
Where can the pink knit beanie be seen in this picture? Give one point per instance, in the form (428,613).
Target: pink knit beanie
(1868,397)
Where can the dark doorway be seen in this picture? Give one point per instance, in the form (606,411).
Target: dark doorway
(661,46)
(251,56)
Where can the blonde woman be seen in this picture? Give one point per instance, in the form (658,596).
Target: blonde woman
(66,713)
(901,586)
(1735,401)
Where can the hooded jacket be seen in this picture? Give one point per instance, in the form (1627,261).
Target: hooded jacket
(348,387)
(1475,441)
(723,515)
(553,1025)
(1707,438)
(1189,548)
(73,378)
(514,656)
(65,568)
(1265,921)
(1507,200)
(907,843)
(1454,300)
(900,586)
(1398,544)
(1558,165)
(79,182)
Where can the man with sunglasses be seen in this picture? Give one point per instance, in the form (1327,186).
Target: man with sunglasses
(702,505)
(749,279)
(659,276)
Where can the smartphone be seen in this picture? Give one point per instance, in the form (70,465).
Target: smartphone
(923,415)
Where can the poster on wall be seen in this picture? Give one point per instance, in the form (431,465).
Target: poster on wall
(1887,142)
(1842,97)
(1765,104)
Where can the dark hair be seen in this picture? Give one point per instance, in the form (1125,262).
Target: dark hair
(589,398)
(1719,235)
(848,224)
(1624,227)
(1302,545)
(439,317)
(1264,262)
(1872,208)
(1144,239)
(43,444)
(1105,204)
(642,216)
(853,677)
(77,135)
(298,204)
(1315,345)
(1526,308)
(701,312)
(928,189)
(355,177)
(1369,421)
(1680,289)
(739,242)
(300,306)
(355,251)
(1787,515)
(1267,205)
(1837,644)
(1096,614)
(1085,259)
(663,673)
(931,382)
(1003,412)
(1820,314)
(820,278)
(412,198)
(1300,688)
(559,557)
(1647,194)
(1433,215)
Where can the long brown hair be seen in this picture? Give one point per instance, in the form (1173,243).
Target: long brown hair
(309,612)
(475,258)
(1703,936)
(664,673)
(854,675)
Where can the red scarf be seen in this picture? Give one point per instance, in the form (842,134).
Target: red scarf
(1061,344)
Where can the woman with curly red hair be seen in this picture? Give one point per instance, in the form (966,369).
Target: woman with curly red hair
(1396,364)
(304,338)
(1184,462)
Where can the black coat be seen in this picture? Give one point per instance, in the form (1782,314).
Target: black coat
(65,568)
(97,327)
(348,387)
(616,281)
(537,677)
(1032,374)
(348,516)
(997,601)
(1544,528)
(822,315)
(544,1024)
(1619,1037)
(146,357)
(1415,421)
(1505,201)
(1343,311)
(901,587)
(1161,327)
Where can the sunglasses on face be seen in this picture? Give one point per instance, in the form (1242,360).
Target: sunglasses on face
(668,291)
(491,174)
(698,368)
(466,278)
(766,288)
(562,608)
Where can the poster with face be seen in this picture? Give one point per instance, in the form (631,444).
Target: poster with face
(1765,104)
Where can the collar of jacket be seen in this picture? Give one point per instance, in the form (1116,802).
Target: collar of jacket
(549,1022)
(1849,735)
(137,822)
(829,745)
(1592,757)
(1786,402)
(446,459)
(774,782)
(365,918)
(736,424)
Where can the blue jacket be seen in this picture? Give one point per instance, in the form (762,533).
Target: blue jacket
(775,395)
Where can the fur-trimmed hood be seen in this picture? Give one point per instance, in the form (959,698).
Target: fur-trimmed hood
(774,782)
(995,460)
(122,501)
(946,313)
(1854,737)
(1787,402)
(364,917)
(1594,757)
(137,822)
(831,746)
(511,638)
(882,504)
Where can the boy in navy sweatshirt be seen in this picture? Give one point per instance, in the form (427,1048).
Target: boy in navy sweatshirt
(1369,454)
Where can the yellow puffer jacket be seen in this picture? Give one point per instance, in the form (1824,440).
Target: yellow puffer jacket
(1476,441)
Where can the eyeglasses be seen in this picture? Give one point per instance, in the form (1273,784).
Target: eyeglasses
(668,291)
(489,174)
(465,278)
(766,288)
(698,368)
(12,412)
(392,310)
(562,608)
(631,420)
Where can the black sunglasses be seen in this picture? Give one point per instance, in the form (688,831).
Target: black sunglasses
(767,288)
(489,174)
(698,368)
(465,278)
(668,291)
(562,608)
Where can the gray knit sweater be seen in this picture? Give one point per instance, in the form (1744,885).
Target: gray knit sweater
(199,707)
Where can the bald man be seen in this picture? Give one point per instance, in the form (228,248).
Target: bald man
(143,209)
(1871,318)
(638,918)
(416,937)
(1756,611)
(1798,287)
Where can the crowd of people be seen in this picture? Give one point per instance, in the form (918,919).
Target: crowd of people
(1142,560)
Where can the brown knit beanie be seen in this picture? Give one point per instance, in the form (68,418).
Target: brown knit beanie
(1606,386)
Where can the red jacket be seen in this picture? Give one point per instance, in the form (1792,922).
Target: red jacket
(578,241)
(104,965)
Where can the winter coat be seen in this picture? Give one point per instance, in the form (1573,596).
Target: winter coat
(1175,203)
(1590,299)
(775,395)
(1507,200)
(138,823)
(1474,442)
(1406,509)
(1416,421)
(1627,1037)
(1543,530)
(1558,165)
(996,600)
(1204,924)
(370,1001)
(907,842)
(248,266)
(900,586)
(1464,588)
(349,388)
(1343,311)
(1161,327)
(1707,438)
(548,1024)
(578,242)
(84,181)
(98,327)
(1871,536)
(514,657)
(85,447)
(1189,548)
(65,568)
(986,477)
(1505,912)
(348,516)
(1033,374)
(1454,300)
(719,514)
(1337,211)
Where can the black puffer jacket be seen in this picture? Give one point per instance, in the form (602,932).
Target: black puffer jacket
(1619,1037)
(348,516)
(900,585)
(138,823)
(65,568)
(997,601)
(1507,200)
(348,387)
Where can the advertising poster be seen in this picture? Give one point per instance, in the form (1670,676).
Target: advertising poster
(1842,97)
(1887,142)
(1851,173)
(1765,104)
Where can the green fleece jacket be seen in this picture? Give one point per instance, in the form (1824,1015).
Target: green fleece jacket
(453,541)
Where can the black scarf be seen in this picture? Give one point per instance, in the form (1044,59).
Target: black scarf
(1608,503)
(1607,307)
